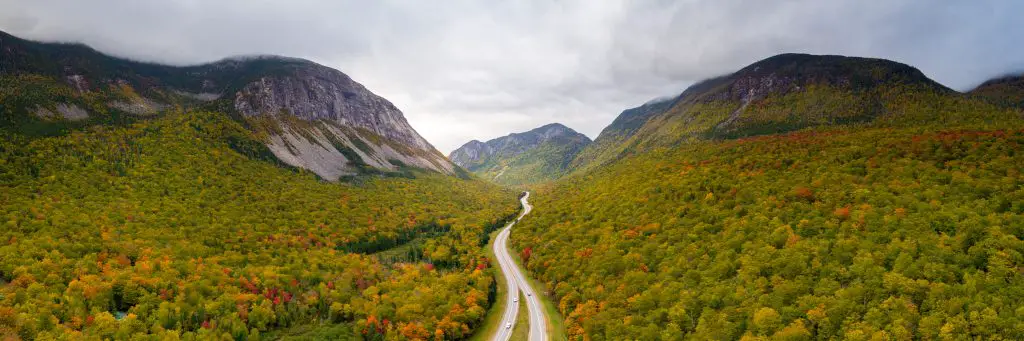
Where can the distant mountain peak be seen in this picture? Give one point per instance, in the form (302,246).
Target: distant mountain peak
(554,130)
(531,156)
(553,125)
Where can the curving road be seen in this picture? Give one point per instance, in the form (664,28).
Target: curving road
(516,281)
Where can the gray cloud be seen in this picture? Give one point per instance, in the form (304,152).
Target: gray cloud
(464,70)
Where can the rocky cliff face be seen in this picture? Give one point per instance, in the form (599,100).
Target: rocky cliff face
(314,92)
(537,155)
(310,116)
(470,153)
(348,128)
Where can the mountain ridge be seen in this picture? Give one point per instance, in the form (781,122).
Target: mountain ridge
(532,156)
(343,129)
(787,92)
(782,93)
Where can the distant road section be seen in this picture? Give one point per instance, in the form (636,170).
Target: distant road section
(516,281)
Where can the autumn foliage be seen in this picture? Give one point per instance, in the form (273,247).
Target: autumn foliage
(845,234)
(163,230)
(525,255)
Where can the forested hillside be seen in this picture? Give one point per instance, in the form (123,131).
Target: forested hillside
(180,227)
(605,146)
(539,155)
(858,235)
(847,199)
(785,93)
(801,197)
(1007,90)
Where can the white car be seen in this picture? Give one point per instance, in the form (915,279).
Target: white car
(508,325)
(515,299)
(529,294)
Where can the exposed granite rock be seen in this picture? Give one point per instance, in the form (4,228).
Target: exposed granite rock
(78,82)
(332,151)
(471,152)
(316,93)
(202,96)
(139,106)
(68,112)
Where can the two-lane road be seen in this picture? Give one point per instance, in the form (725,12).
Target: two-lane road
(516,281)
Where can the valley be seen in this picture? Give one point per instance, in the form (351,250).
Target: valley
(263,197)
(772,203)
(259,197)
(163,228)
(787,211)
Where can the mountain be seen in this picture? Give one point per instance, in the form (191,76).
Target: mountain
(799,198)
(782,93)
(1008,90)
(534,156)
(826,90)
(307,115)
(146,201)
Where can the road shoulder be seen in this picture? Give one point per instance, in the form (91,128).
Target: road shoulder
(491,321)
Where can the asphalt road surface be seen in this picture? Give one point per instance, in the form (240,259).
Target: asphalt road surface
(516,281)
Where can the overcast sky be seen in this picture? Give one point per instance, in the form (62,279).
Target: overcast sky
(463,70)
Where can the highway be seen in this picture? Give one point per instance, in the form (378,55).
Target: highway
(516,282)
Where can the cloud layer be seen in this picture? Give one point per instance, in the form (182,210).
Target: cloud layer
(463,70)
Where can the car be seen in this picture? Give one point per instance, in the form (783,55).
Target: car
(529,294)
(508,325)
(515,299)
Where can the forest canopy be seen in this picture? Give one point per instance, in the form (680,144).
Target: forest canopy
(837,233)
(175,226)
